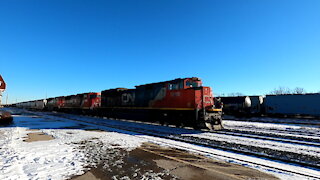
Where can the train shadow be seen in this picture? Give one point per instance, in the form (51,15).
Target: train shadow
(53,120)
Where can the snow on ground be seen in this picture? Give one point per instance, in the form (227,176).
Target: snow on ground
(59,158)
(240,159)
(311,122)
(287,147)
(62,158)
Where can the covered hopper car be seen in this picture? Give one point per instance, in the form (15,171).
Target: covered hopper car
(293,104)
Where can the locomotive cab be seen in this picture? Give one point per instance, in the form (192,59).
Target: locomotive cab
(189,93)
(192,82)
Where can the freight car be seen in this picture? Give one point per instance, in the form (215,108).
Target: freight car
(182,101)
(242,105)
(293,104)
(239,105)
(37,104)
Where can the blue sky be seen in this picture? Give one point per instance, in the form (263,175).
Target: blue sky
(62,47)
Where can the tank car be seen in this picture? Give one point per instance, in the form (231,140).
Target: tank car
(256,107)
(236,105)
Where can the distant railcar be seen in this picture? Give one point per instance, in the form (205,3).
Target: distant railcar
(40,104)
(293,104)
(180,101)
(256,107)
(242,105)
(237,105)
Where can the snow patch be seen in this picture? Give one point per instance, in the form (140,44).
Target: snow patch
(59,158)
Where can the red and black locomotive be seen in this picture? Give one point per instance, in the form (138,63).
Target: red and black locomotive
(180,101)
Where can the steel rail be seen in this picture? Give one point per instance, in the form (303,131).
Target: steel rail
(291,141)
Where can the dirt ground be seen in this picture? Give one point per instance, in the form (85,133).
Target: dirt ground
(155,162)
(151,161)
(37,136)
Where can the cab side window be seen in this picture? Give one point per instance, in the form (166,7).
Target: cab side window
(173,86)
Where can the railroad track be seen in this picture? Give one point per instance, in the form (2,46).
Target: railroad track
(309,139)
(202,142)
(291,132)
(309,123)
(276,139)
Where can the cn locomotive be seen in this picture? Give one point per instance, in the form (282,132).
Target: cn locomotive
(182,101)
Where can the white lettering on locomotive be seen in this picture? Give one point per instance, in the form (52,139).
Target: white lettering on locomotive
(127,98)
(208,99)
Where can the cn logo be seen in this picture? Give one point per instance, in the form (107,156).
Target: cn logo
(126,98)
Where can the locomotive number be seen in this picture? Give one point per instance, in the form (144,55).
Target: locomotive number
(207,99)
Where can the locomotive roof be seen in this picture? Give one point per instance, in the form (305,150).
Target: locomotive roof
(175,80)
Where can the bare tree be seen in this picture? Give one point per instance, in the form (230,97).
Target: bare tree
(281,90)
(285,90)
(236,94)
(298,90)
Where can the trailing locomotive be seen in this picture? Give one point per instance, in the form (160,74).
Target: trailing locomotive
(182,101)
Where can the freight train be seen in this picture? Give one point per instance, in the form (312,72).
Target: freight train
(182,101)
(273,105)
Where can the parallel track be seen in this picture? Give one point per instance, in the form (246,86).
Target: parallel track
(276,139)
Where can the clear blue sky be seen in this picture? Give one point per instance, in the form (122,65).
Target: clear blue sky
(62,47)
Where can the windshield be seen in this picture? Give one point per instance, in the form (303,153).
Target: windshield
(192,84)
